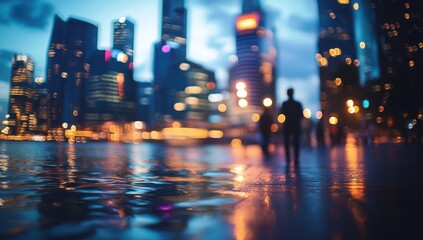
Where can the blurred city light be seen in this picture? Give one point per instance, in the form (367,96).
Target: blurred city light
(307,113)
(243,103)
(281,118)
(267,102)
(240,86)
(366,103)
(350,103)
(166,48)
(333,120)
(222,107)
(319,115)
(255,117)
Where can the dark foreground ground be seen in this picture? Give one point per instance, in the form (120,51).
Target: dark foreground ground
(154,191)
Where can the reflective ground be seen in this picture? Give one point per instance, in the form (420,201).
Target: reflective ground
(154,191)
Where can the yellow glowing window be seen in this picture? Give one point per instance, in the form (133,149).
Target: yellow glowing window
(247,21)
(343,1)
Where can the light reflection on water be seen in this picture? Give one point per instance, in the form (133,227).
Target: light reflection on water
(55,190)
(153,191)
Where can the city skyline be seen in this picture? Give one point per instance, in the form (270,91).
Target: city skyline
(203,43)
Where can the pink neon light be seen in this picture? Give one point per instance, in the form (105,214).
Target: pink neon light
(107,55)
(166,48)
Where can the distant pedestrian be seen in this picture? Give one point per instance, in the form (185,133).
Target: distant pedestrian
(320,134)
(265,125)
(293,111)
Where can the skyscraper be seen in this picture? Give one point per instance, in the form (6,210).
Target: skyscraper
(123,36)
(174,26)
(72,43)
(111,89)
(21,95)
(169,53)
(337,58)
(253,77)
(400,32)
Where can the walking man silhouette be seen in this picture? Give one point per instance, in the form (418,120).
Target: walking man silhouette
(293,111)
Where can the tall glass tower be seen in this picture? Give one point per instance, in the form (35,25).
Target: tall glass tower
(169,53)
(71,44)
(253,76)
(339,64)
(21,94)
(123,36)
(111,89)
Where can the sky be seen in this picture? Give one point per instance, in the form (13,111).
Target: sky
(25,27)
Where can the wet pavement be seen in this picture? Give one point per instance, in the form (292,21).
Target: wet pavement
(154,191)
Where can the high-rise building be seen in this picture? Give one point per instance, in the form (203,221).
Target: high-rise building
(366,40)
(144,104)
(400,32)
(168,54)
(21,96)
(253,76)
(191,104)
(72,43)
(123,36)
(174,26)
(337,58)
(111,89)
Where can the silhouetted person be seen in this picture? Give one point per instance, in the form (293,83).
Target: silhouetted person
(265,124)
(293,111)
(320,133)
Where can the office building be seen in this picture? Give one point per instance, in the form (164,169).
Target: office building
(253,75)
(20,118)
(338,61)
(72,43)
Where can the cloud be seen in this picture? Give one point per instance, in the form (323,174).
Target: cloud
(32,14)
(302,24)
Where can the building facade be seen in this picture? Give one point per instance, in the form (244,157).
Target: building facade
(72,43)
(253,76)
(21,119)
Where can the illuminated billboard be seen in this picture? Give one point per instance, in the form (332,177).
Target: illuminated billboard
(247,21)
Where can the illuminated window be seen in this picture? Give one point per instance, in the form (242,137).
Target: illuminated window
(343,1)
(247,22)
(179,107)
